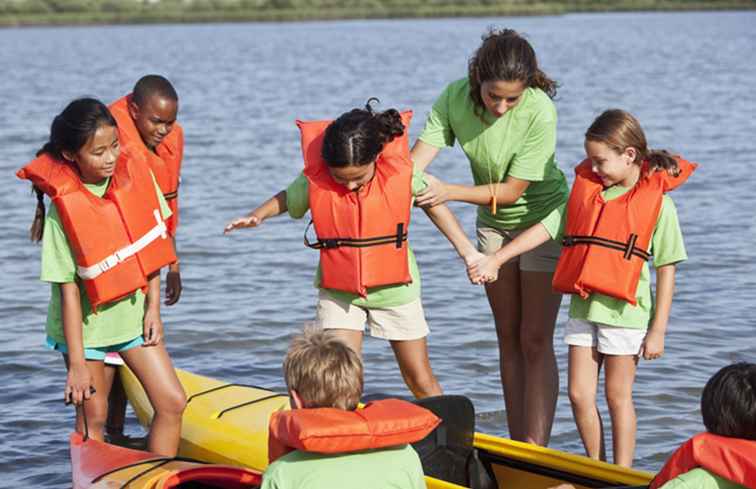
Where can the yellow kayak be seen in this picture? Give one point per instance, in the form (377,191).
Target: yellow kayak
(226,423)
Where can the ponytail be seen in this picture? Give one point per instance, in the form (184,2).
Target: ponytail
(542,81)
(660,159)
(38,224)
(357,137)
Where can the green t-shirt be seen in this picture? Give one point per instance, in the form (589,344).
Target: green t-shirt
(113,323)
(667,248)
(298,203)
(389,468)
(521,144)
(700,479)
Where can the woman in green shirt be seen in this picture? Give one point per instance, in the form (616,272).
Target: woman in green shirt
(505,121)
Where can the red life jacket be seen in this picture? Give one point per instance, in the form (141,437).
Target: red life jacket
(165,162)
(362,235)
(380,424)
(117,240)
(606,243)
(731,458)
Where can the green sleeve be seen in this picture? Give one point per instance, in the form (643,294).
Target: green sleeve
(271,477)
(164,209)
(556,221)
(700,478)
(418,181)
(297,197)
(533,161)
(667,243)
(438,131)
(58,263)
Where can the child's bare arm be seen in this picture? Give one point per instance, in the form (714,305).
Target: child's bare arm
(445,221)
(79,379)
(272,207)
(531,238)
(653,344)
(152,323)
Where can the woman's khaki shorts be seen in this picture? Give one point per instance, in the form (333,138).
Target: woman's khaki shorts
(541,259)
(405,322)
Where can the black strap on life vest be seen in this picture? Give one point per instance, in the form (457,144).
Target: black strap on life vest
(170,195)
(330,243)
(628,249)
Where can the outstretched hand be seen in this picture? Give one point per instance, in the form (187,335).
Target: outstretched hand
(243,222)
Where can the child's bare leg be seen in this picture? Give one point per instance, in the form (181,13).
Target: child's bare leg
(412,357)
(116,403)
(584,367)
(504,299)
(540,306)
(620,376)
(97,405)
(153,367)
(350,337)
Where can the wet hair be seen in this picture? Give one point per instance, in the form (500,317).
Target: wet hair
(357,137)
(151,85)
(69,132)
(728,402)
(504,55)
(620,130)
(323,370)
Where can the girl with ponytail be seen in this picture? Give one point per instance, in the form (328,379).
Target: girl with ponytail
(617,216)
(77,168)
(359,185)
(503,117)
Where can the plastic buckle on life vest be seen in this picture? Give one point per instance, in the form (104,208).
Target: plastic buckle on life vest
(109,262)
(568,241)
(330,243)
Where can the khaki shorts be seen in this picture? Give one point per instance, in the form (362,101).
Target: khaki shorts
(405,322)
(541,259)
(608,340)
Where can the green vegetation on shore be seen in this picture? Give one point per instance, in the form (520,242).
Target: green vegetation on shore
(67,12)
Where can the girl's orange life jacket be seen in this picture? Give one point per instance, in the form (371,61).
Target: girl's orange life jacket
(731,458)
(380,424)
(165,162)
(606,243)
(117,240)
(362,235)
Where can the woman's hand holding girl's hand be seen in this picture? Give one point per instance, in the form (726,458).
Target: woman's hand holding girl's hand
(78,384)
(250,221)
(434,194)
(485,270)
(153,327)
(653,345)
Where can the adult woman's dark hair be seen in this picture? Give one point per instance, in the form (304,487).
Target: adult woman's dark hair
(69,132)
(728,402)
(506,56)
(357,137)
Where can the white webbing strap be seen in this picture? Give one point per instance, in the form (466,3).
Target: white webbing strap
(159,231)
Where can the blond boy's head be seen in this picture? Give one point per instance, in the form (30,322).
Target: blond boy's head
(323,371)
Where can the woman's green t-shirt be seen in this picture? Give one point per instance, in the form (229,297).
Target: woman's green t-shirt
(115,322)
(521,144)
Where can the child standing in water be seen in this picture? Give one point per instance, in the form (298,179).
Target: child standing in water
(103,242)
(617,216)
(359,184)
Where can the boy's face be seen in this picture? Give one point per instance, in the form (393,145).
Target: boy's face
(154,119)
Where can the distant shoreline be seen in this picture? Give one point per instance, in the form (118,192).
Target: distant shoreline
(181,16)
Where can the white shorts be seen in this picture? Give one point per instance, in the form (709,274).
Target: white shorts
(405,322)
(608,340)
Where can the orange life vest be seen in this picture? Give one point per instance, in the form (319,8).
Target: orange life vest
(117,240)
(731,458)
(362,235)
(606,243)
(380,424)
(165,162)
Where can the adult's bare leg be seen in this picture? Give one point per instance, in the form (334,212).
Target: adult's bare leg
(350,337)
(412,357)
(504,299)
(539,309)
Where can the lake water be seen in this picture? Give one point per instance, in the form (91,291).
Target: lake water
(689,78)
